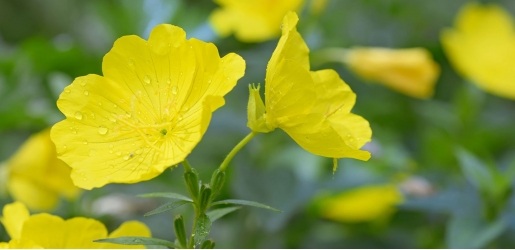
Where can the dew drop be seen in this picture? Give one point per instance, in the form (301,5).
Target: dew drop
(146,79)
(102,130)
(174,90)
(85,142)
(86,93)
(126,157)
(67,91)
(83,83)
(131,63)
(168,81)
(78,115)
(138,152)
(118,153)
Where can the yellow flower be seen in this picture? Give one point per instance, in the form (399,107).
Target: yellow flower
(48,231)
(147,112)
(361,204)
(34,175)
(251,20)
(481,47)
(313,107)
(409,71)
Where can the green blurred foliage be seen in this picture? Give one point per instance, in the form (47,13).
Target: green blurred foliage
(460,142)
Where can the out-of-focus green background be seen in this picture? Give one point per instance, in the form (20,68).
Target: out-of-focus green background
(457,147)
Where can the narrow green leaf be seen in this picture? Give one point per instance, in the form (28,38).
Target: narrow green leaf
(244,203)
(167,206)
(202,229)
(180,232)
(147,241)
(475,171)
(174,196)
(216,214)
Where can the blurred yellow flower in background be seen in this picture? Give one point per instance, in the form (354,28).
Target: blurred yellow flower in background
(148,111)
(411,71)
(35,176)
(360,204)
(313,107)
(48,231)
(481,47)
(251,20)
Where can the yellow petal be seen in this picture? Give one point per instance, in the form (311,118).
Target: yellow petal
(409,71)
(35,196)
(361,204)
(19,244)
(251,20)
(147,112)
(50,231)
(35,175)
(481,47)
(14,216)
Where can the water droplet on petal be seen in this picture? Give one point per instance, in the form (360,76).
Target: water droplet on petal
(85,142)
(83,83)
(174,90)
(102,130)
(86,92)
(146,79)
(67,91)
(168,81)
(131,63)
(78,115)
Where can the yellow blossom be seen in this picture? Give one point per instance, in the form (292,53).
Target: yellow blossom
(148,111)
(251,20)
(481,47)
(48,231)
(313,107)
(361,204)
(409,71)
(35,176)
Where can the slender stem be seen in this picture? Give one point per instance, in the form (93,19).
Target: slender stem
(186,164)
(235,150)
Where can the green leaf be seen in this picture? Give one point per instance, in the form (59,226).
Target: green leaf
(202,229)
(244,203)
(472,232)
(147,241)
(218,213)
(167,206)
(180,232)
(475,171)
(168,195)
(208,244)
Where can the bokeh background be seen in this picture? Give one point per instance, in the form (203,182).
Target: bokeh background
(435,151)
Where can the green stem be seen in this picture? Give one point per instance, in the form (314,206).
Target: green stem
(235,150)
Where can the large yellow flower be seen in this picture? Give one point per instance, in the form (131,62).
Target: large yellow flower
(48,231)
(34,175)
(147,112)
(252,20)
(361,204)
(313,107)
(481,47)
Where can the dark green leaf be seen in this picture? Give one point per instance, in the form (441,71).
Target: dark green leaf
(168,206)
(245,203)
(208,244)
(216,214)
(180,232)
(175,196)
(147,241)
(476,172)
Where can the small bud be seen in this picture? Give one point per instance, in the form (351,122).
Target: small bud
(217,182)
(205,198)
(208,244)
(191,179)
